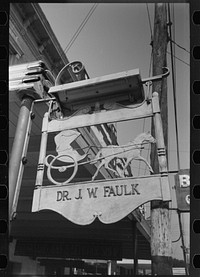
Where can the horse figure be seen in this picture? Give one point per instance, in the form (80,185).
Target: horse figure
(128,152)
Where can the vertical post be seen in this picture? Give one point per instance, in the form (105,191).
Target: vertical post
(135,249)
(109,267)
(161,245)
(18,148)
(161,249)
(159,61)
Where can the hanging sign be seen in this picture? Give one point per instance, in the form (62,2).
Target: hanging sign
(182,180)
(109,200)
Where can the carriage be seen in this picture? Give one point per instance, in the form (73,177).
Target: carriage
(72,159)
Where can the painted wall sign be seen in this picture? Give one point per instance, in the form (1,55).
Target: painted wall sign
(182,180)
(110,201)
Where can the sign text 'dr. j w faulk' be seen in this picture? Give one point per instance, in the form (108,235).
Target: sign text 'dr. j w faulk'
(93,192)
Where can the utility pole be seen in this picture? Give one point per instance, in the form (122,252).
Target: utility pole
(161,245)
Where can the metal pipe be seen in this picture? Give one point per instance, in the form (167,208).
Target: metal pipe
(157,77)
(18,147)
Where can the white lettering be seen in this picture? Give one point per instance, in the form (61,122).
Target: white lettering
(184,181)
(187,199)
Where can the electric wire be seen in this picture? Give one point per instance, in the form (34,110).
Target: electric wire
(181,47)
(150,65)
(174,62)
(174,39)
(80,28)
(178,58)
(176,130)
(150,70)
(149,19)
(174,34)
(71,42)
(174,91)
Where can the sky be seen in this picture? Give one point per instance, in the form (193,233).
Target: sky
(117,38)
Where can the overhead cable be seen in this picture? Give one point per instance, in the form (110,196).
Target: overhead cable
(150,70)
(178,58)
(149,22)
(179,46)
(176,129)
(174,91)
(80,27)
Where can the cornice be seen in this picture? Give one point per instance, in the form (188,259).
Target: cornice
(48,30)
(20,32)
(27,19)
(14,44)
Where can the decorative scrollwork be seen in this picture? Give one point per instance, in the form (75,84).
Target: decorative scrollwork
(97,214)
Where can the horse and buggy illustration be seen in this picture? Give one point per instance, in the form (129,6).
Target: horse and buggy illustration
(72,159)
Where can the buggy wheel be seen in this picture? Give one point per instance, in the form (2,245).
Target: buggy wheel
(61,169)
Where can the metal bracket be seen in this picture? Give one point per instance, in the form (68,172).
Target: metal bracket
(157,77)
(149,92)
(76,70)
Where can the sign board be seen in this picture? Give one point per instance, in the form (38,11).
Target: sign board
(110,201)
(182,180)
